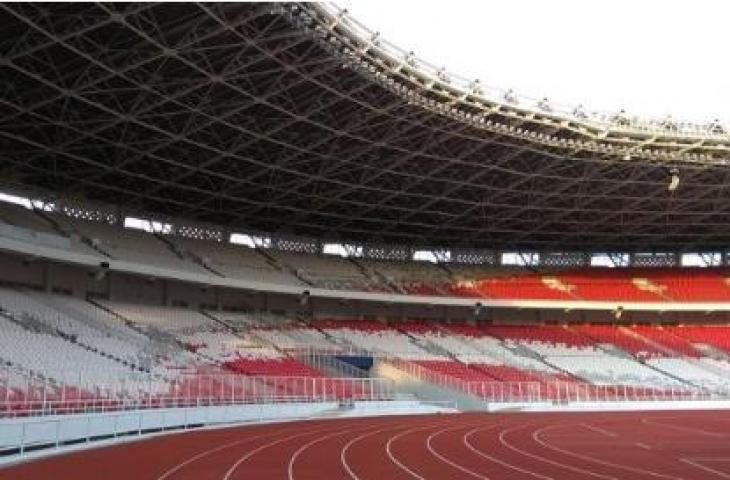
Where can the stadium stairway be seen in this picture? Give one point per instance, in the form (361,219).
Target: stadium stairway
(426,344)
(525,351)
(71,233)
(409,385)
(653,344)
(154,334)
(282,266)
(185,255)
(220,321)
(331,366)
(691,358)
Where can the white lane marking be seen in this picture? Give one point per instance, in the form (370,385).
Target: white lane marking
(210,451)
(465,440)
(395,460)
(588,458)
(692,461)
(648,421)
(446,460)
(253,452)
(348,445)
(598,430)
(504,442)
(304,447)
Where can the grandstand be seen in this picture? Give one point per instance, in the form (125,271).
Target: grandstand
(228,214)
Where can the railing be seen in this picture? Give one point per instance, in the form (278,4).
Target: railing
(330,364)
(42,398)
(557,391)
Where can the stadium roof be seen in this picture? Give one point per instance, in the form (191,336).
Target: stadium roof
(294,118)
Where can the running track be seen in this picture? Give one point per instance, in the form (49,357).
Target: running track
(554,446)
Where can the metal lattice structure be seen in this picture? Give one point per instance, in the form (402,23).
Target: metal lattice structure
(283,118)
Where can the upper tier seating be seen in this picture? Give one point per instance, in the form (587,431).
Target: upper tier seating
(417,278)
(522,286)
(129,245)
(237,261)
(629,284)
(327,271)
(22,217)
(18,216)
(174,252)
(612,284)
(693,285)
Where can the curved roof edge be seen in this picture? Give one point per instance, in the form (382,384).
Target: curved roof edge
(505,112)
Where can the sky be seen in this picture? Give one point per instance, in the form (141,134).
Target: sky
(652,58)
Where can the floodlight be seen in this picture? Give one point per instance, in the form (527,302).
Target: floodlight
(673,179)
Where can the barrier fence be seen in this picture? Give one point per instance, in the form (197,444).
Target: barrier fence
(556,391)
(20,436)
(22,396)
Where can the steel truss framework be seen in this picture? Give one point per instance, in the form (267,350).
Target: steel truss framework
(265,117)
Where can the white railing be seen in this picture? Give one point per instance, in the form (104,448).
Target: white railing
(330,363)
(557,391)
(35,397)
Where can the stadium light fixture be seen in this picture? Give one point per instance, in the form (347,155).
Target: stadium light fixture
(580,112)
(673,179)
(304,298)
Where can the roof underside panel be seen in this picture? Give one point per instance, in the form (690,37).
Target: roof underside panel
(230,113)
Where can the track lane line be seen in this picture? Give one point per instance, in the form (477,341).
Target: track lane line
(467,443)
(648,421)
(503,441)
(392,456)
(304,447)
(210,451)
(229,473)
(346,448)
(588,458)
(446,460)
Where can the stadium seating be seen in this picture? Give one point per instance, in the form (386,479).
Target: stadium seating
(218,257)
(129,245)
(375,337)
(327,271)
(714,336)
(111,352)
(665,338)
(237,261)
(618,337)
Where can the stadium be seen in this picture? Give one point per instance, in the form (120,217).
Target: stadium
(261,241)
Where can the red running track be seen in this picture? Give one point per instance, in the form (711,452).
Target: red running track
(550,446)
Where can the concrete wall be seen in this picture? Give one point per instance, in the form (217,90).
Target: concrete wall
(54,431)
